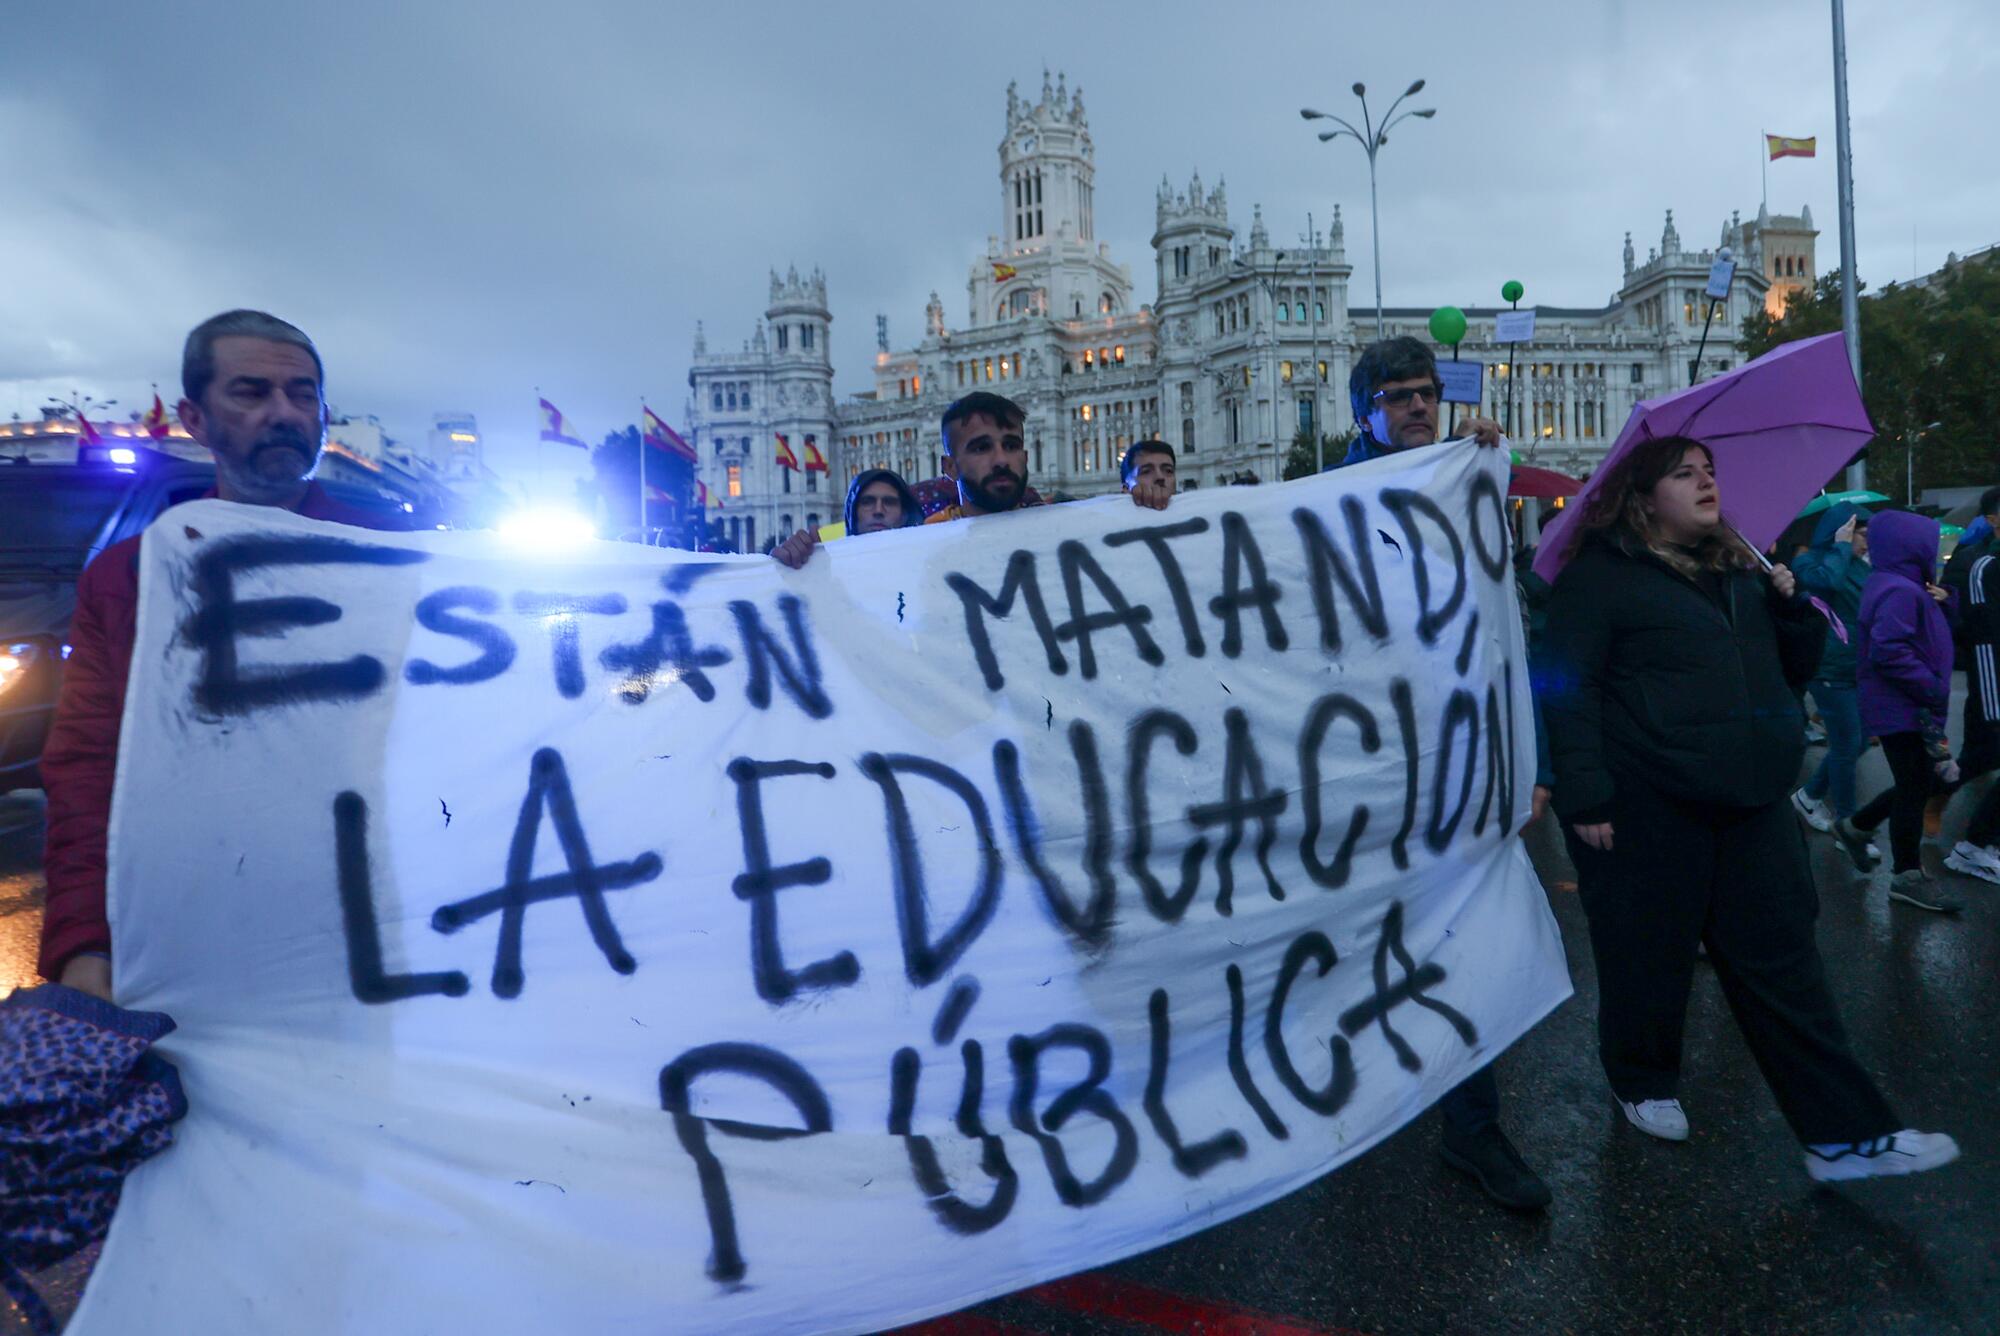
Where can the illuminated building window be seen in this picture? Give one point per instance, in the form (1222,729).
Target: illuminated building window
(1086,412)
(735,480)
(1285,372)
(916,384)
(1089,358)
(1118,354)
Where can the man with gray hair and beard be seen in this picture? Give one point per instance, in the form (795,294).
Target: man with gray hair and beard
(255,396)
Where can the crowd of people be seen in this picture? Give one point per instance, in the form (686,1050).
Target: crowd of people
(1669,682)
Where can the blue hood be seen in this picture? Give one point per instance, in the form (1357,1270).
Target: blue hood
(1832,518)
(1900,543)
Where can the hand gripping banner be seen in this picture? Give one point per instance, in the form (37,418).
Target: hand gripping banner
(646,941)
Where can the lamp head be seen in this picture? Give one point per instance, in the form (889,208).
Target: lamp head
(1360,90)
(1415,88)
(1308,114)
(1426,113)
(1328,134)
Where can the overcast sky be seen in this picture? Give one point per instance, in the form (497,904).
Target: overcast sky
(461,201)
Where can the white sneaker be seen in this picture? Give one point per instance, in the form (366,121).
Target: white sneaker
(1974,861)
(1661,1118)
(1812,812)
(1905,1152)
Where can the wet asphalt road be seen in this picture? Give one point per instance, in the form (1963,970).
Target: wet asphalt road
(1721,1234)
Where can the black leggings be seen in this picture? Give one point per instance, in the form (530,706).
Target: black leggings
(1903,802)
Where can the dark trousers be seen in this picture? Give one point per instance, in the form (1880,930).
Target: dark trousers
(1471,1107)
(1903,801)
(1979,753)
(1681,873)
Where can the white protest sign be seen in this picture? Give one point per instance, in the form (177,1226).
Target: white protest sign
(643,941)
(1461,381)
(1719,275)
(1514,326)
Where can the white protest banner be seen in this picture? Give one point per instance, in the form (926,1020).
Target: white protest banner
(644,941)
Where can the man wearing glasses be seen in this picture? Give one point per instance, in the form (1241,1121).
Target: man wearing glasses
(1396,397)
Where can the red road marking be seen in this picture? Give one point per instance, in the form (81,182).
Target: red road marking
(964,1324)
(1102,1296)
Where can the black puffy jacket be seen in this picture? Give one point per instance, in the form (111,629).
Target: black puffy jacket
(1693,691)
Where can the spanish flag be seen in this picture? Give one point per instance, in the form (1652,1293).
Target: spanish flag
(155,422)
(786,459)
(1780,147)
(815,461)
(660,436)
(556,428)
(704,498)
(1002,272)
(85,432)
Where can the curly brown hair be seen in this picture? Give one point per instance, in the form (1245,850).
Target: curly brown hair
(1617,510)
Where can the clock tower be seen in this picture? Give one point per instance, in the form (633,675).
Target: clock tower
(1045,261)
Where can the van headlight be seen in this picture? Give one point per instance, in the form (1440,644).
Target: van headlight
(17,659)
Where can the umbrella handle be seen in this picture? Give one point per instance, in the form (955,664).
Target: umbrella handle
(1762,560)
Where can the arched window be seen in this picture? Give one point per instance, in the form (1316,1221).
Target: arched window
(1319,311)
(716,398)
(812,523)
(732,398)
(785,525)
(1284,312)
(1104,304)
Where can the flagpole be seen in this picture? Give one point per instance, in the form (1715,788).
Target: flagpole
(541,450)
(1764,166)
(1850,310)
(642,469)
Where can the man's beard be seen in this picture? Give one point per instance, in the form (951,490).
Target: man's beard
(251,484)
(982,499)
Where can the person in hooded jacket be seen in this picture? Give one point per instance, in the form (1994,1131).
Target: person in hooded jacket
(879,499)
(1903,651)
(1670,694)
(1834,569)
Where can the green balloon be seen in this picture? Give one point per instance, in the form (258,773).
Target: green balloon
(1511,291)
(1448,325)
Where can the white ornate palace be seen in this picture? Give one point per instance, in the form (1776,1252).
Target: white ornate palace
(1245,343)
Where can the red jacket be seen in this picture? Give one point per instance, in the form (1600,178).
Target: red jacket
(81,754)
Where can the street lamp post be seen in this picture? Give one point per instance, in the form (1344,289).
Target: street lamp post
(1313,297)
(1910,462)
(1371,142)
(1271,333)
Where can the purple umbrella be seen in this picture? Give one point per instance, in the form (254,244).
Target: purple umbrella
(1779,428)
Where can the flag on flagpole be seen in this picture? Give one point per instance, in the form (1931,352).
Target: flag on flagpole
(1003,272)
(815,461)
(87,434)
(556,428)
(657,493)
(786,459)
(656,433)
(706,499)
(1780,147)
(155,421)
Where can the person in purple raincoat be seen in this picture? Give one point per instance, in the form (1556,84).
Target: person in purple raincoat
(1903,678)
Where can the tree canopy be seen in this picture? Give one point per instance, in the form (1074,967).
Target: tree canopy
(1929,354)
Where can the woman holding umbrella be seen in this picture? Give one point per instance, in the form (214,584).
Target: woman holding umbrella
(1675,728)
